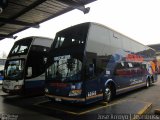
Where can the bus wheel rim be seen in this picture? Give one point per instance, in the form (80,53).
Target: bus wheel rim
(108,94)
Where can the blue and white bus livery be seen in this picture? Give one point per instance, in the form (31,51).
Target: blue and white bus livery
(90,62)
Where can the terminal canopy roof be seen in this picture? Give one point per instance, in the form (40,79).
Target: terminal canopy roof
(18,15)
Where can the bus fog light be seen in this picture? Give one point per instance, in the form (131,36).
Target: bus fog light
(75,92)
(18,87)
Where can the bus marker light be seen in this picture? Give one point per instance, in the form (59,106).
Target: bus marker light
(108,72)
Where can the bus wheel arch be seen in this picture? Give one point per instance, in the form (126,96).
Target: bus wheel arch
(109,91)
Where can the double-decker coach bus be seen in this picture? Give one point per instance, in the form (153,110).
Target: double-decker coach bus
(25,66)
(90,62)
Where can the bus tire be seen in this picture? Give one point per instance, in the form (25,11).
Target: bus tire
(152,79)
(108,93)
(148,83)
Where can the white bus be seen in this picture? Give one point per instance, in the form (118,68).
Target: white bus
(25,66)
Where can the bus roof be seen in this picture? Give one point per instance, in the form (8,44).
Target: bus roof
(120,33)
(35,37)
(107,28)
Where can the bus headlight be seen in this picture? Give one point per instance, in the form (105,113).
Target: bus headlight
(17,87)
(46,90)
(75,92)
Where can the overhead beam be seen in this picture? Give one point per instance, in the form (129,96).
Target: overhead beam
(28,8)
(72,5)
(7,36)
(75,5)
(17,22)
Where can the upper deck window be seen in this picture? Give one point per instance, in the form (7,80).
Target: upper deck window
(72,36)
(21,47)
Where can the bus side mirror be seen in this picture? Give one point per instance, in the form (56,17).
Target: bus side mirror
(29,72)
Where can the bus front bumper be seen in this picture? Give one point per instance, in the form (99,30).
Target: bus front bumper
(19,91)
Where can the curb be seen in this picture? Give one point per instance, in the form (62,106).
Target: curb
(143,111)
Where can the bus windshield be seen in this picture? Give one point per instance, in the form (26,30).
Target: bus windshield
(66,56)
(64,68)
(14,69)
(20,47)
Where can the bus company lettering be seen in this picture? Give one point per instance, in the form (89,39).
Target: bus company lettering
(133,57)
(135,81)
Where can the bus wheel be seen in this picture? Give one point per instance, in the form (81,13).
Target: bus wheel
(108,93)
(152,79)
(147,83)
